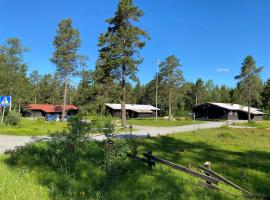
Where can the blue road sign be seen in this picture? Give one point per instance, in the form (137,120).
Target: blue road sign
(5,100)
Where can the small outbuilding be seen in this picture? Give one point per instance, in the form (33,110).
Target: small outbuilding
(133,110)
(48,110)
(226,111)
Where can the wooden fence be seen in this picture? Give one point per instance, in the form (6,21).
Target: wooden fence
(211,178)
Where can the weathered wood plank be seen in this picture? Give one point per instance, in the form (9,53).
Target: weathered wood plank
(183,169)
(224,180)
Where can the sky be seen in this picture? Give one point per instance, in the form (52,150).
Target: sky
(210,37)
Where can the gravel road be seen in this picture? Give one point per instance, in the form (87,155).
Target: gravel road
(10,142)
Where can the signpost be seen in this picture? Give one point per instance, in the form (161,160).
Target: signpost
(4,102)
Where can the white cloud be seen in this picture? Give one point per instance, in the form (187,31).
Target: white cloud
(221,70)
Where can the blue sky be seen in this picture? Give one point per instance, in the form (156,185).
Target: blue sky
(210,37)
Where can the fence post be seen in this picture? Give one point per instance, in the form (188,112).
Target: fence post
(208,166)
(130,129)
(149,159)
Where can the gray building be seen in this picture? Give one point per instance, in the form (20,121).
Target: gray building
(226,111)
(133,110)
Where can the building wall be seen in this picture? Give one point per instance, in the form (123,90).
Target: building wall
(258,117)
(206,111)
(232,115)
(145,115)
(37,114)
(130,113)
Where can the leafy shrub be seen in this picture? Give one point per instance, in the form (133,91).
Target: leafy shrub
(267,116)
(13,118)
(71,165)
(117,162)
(99,122)
(109,127)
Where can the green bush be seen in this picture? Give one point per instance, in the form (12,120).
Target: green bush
(109,127)
(117,162)
(13,118)
(73,166)
(267,116)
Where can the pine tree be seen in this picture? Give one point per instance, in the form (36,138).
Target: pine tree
(249,82)
(119,47)
(172,77)
(14,81)
(35,78)
(266,95)
(67,60)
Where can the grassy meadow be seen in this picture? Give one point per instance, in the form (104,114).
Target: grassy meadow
(33,128)
(160,122)
(241,155)
(256,124)
(20,184)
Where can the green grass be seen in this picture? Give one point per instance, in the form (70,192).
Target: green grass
(160,122)
(256,124)
(20,184)
(241,155)
(33,128)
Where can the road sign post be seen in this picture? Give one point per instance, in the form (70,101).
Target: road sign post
(4,102)
(3,114)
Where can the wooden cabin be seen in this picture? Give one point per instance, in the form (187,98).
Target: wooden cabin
(133,110)
(226,111)
(46,110)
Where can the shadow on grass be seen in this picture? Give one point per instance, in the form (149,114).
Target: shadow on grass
(87,179)
(249,169)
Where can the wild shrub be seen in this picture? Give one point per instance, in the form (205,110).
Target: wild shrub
(13,118)
(116,160)
(73,166)
(109,127)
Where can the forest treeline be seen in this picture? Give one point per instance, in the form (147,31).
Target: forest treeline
(118,46)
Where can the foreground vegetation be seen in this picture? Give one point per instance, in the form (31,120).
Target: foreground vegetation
(33,128)
(80,169)
(256,124)
(20,184)
(160,122)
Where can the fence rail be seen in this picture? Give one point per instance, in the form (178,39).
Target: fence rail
(210,177)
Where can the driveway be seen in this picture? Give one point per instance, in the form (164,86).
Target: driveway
(151,131)
(10,142)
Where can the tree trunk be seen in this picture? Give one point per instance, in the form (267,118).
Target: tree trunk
(249,118)
(20,105)
(65,101)
(123,98)
(170,104)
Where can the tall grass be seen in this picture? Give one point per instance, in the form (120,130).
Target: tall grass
(20,184)
(33,128)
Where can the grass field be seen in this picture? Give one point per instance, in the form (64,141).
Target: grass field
(160,122)
(241,155)
(257,124)
(20,184)
(33,128)
(41,127)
